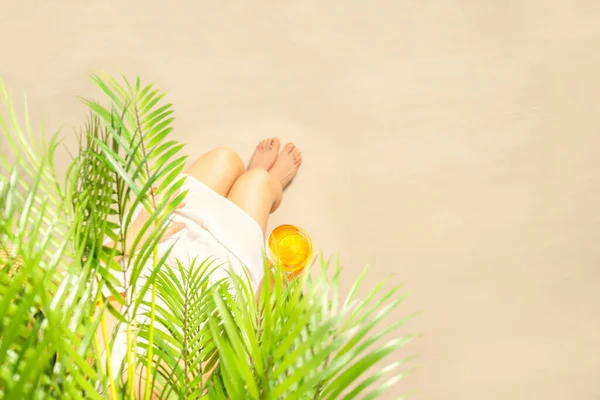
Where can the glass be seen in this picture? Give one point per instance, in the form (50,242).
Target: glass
(289,246)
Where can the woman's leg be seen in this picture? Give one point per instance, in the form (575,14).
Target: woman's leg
(218,169)
(258,192)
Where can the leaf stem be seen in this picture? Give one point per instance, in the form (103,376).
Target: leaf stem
(107,349)
(130,364)
(151,332)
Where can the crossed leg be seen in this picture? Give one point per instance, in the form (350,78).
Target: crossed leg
(218,169)
(258,190)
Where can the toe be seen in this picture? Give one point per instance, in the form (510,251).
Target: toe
(276,144)
(289,148)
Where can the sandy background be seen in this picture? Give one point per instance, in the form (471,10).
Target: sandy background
(453,143)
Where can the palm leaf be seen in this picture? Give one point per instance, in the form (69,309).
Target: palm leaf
(45,353)
(190,336)
(184,340)
(304,343)
(127,145)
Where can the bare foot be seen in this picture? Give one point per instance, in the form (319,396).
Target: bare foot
(287,164)
(265,154)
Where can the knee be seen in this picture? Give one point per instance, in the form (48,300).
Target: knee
(257,177)
(224,157)
(260,179)
(259,182)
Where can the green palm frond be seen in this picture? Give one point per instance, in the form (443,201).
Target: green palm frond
(131,142)
(44,294)
(183,342)
(193,338)
(104,189)
(298,344)
(297,341)
(32,158)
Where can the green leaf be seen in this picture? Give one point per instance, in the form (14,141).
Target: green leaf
(205,339)
(336,386)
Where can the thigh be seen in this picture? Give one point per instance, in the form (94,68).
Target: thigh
(217,169)
(257,193)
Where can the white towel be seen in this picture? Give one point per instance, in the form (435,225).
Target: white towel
(216,227)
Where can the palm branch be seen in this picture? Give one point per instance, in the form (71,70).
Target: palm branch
(57,233)
(133,149)
(46,329)
(297,341)
(191,337)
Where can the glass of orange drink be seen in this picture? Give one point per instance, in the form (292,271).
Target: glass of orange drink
(290,247)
